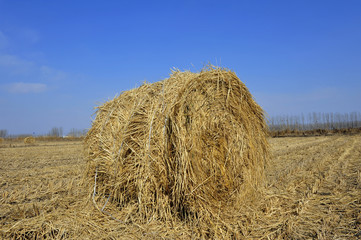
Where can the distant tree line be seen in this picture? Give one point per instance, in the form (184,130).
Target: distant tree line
(58,132)
(77,132)
(313,121)
(54,132)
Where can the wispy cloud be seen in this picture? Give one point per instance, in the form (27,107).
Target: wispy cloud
(51,74)
(13,65)
(21,87)
(16,69)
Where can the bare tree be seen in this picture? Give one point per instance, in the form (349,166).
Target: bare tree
(77,133)
(326,121)
(56,132)
(3,133)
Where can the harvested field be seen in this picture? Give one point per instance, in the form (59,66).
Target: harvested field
(312,191)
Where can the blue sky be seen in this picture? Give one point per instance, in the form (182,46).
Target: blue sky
(59,59)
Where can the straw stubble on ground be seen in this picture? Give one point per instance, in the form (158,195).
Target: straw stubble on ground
(312,190)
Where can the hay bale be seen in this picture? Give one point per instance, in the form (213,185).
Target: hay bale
(1,140)
(29,140)
(180,147)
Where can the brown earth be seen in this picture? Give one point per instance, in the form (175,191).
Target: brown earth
(312,191)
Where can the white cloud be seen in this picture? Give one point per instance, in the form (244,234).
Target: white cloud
(19,74)
(25,76)
(21,87)
(11,66)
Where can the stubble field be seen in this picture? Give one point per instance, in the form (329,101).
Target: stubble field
(312,191)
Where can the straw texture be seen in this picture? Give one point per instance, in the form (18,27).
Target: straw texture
(29,140)
(185,147)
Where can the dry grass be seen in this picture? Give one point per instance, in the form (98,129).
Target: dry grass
(312,191)
(38,184)
(189,148)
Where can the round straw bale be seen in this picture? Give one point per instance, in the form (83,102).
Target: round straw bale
(1,140)
(29,140)
(184,145)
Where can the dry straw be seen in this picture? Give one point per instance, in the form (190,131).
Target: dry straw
(29,140)
(187,147)
(1,140)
